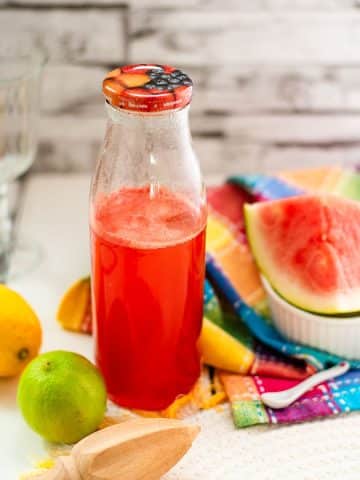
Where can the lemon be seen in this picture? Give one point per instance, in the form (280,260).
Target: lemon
(20,333)
(62,396)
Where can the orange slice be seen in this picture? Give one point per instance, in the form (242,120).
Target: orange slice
(74,312)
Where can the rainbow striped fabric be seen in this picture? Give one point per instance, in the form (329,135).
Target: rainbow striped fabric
(270,362)
(246,354)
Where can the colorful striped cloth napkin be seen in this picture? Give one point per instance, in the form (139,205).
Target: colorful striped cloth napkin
(246,354)
(270,362)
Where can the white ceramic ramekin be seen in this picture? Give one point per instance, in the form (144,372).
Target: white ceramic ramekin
(332,334)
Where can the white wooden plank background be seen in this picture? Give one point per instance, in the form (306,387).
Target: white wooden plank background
(277,82)
(243,5)
(66,34)
(238,89)
(258,38)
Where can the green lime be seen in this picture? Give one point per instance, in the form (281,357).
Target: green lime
(62,396)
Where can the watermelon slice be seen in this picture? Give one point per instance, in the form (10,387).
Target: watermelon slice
(308,247)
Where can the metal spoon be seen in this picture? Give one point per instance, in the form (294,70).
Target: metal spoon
(287,397)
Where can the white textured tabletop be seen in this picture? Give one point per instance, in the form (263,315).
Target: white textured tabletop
(55,216)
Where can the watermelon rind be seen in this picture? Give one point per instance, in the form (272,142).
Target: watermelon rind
(339,303)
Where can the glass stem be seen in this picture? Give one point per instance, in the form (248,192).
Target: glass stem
(5,233)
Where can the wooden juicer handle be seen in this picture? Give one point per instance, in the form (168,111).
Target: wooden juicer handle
(136,449)
(64,469)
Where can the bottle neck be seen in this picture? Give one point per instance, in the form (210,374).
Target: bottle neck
(171,126)
(149,149)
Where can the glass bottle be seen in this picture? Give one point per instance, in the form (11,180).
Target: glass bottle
(147,220)
(21,67)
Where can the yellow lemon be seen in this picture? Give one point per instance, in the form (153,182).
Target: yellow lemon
(220,349)
(20,333)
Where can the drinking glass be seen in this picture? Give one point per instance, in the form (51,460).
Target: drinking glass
(20,77)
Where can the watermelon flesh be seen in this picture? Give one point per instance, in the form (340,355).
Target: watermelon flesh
(308,247)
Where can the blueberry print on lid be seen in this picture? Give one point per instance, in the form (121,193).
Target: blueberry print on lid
(147,88)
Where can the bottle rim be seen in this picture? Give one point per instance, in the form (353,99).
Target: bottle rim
(117,114)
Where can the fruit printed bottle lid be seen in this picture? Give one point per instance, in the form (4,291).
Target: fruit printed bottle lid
(147,88)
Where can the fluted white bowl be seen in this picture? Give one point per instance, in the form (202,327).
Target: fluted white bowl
(338,335)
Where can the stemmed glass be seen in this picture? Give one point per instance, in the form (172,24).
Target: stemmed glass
(20,77)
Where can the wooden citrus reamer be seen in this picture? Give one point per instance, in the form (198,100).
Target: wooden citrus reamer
(136,449)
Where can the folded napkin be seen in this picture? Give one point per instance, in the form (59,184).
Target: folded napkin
(276,363)
(249,355)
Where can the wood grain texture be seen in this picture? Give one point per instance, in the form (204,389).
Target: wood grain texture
(220,90)
(298,129)
(269,158)
(283,129)
(241,5)
(215,37)
(69,144)
(81,96)
(135,449)
(84,35)
(277,82)
(251,5)
(249,89)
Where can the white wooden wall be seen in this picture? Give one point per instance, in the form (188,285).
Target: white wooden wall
(277,82)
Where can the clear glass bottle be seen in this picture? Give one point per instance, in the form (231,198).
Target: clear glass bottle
(21,67)
(147,218)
